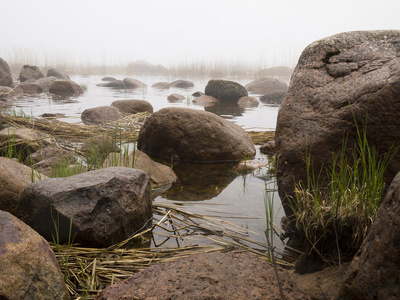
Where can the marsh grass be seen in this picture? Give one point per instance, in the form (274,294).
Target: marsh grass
(333,221)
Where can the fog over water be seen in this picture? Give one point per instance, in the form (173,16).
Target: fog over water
(263,32)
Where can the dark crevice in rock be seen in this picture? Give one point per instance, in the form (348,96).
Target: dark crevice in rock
(328,55)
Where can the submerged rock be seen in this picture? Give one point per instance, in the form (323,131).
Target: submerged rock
(28,267)
(193,135)
(105,206)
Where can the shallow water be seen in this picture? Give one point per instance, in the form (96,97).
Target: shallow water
(216,191)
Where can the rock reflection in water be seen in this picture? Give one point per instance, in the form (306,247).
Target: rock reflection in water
(226,109)
(197,182)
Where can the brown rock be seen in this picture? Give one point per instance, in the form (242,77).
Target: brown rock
(100,115)
(175,97)
(247,102)
(14,178)
(46,82)
(266,86)
(66,88)
(115,84)
(106,206)
(374,272)
(193,135)
(160,175)
(28,267)
(161,85)
(225,90)
(133,106)
(5,74)
(361,68)
(131,83)
(207,276)
(28,88)
(57,74)
(30,72)
(268,148)
(273,98)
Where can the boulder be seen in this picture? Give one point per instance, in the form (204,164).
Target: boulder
(197,94)
(115,84)
(182,84)
(273,98)
(175,97)
(105,206)
(66,88)
(250,165)
(340,81)
(14,178)
(193,135)
(268,148)
(131,83)
(247,102)
(161,85)
(28,88)
(207,276)
(160,175)
(205,101)
(23,141)
(133,106)
(30,72)
(100,115)
(225,90)
(374,272)
(28,267)
(5,74)
(46,82)
(57,74)
(266,86)
(108,78)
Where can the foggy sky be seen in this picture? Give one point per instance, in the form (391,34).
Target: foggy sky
(179,31)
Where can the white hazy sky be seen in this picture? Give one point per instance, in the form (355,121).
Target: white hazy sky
(170,31)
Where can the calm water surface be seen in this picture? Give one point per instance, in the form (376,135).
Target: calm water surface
(216,191)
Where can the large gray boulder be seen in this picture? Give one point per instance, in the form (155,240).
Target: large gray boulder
(14,178)
(207,276)
(266,86)
(66,88)
(105,206)
(193,135)
(225,90)
(28,267)
(30,72)
(100,115)
(5,74)
(57,74)
(349,78)
(374,272)
(133,106)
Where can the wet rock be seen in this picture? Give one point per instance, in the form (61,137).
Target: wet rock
(14,178)
(268,148)
(28,267)
(207,276)
(106,206)
(225,90)
(160,175)
(273,98)
(197,94)
(133,106)
(205,101)
(266,86)
(66,88)
(193,135)
(30,72)
(28,88)
(374,272)
(57,74)
(5,74)
(250,165)
(115,84)
(361,68)
(108,78)
(175,97)
(46,82)
(100,115)
(48,160)
(183,84)
(248,102)
(131,83)
(161,85)
(24,140)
